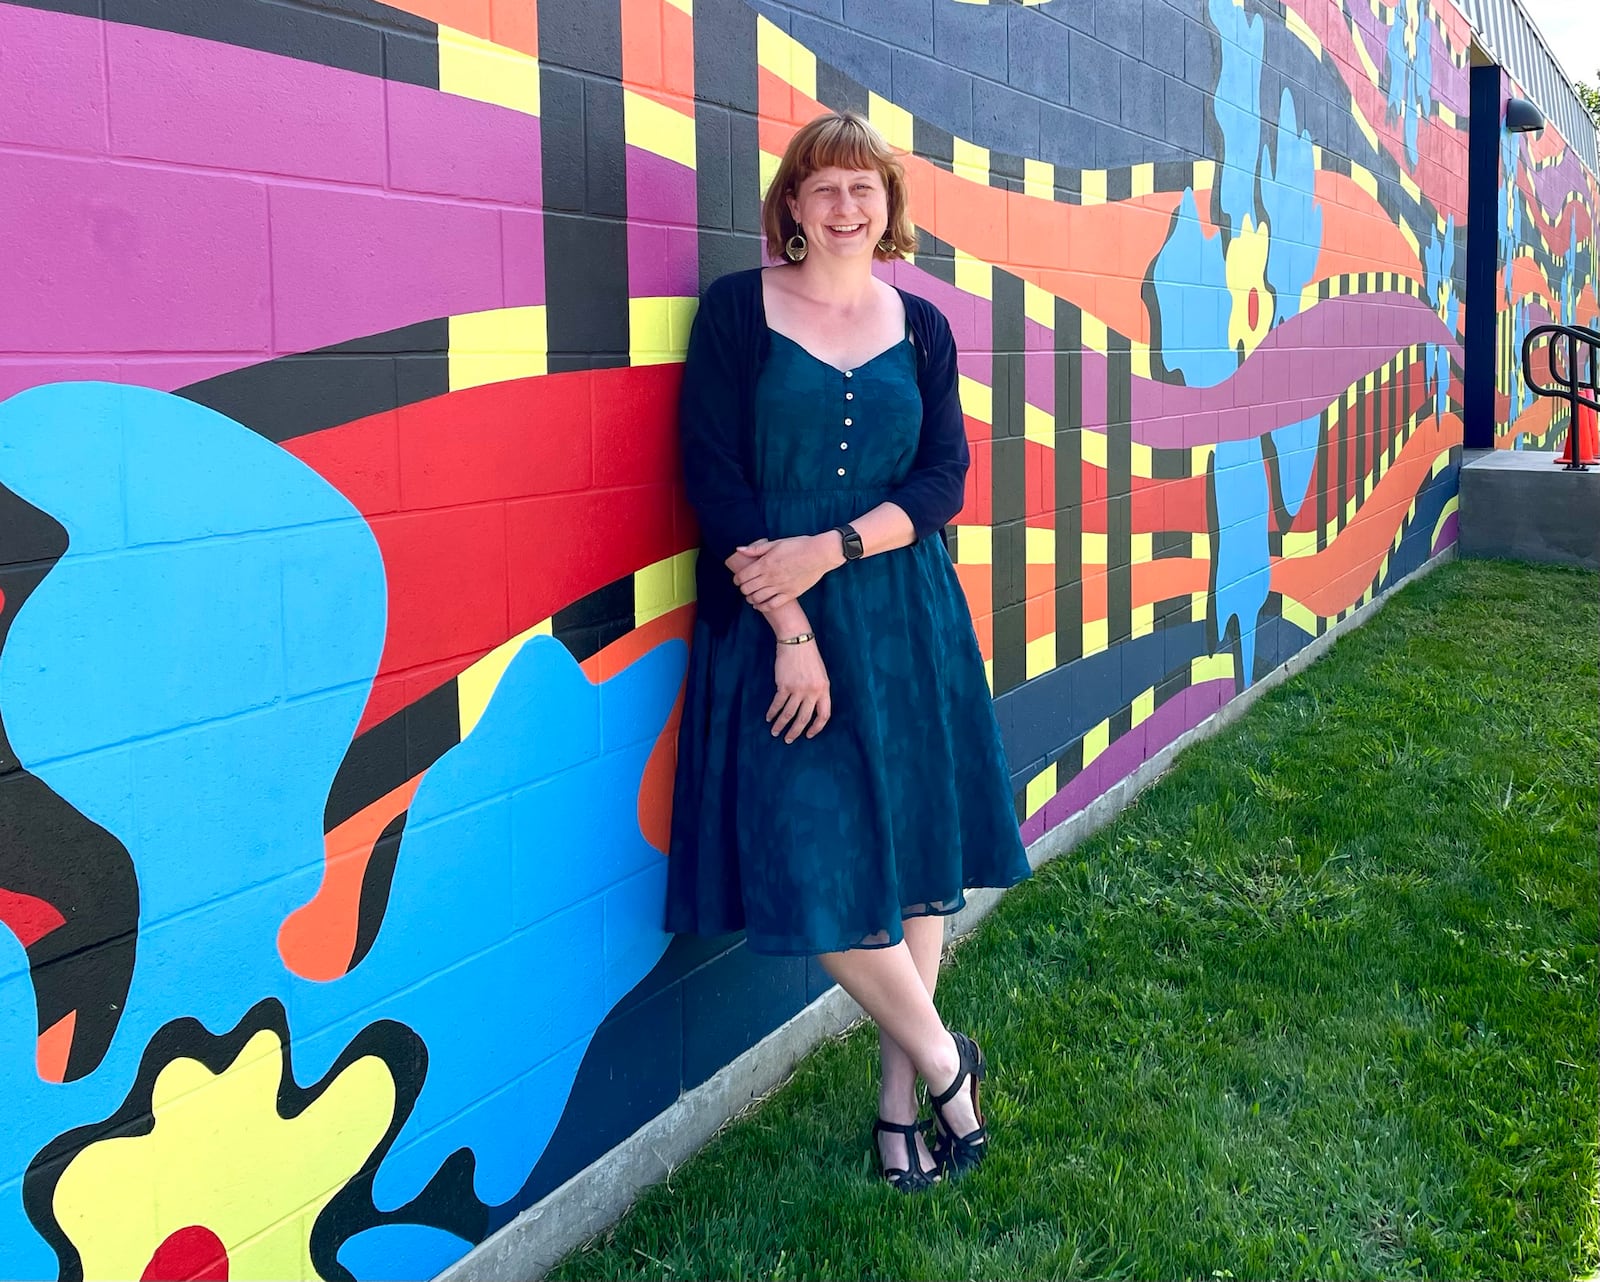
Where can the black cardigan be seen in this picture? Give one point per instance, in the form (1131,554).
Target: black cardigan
(716,416)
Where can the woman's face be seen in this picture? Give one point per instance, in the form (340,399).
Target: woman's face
(843,212)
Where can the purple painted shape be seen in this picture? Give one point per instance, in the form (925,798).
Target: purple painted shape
(1175,717)
(462,148)
(522,241)
(1447,533)
(158,260)
(660,190)
(1039,365)
(110,258)
(53,92)
(200,103)
(1296,377)
(1094,390)
(970,317)
(1553,184)
(663,248)
(438,258)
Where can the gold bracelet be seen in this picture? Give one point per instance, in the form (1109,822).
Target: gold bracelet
(799,640)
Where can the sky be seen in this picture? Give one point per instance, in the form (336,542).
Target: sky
(1572,30)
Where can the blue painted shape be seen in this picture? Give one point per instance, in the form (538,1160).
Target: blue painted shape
(1288,196)
(1296,448)
(1439,265)
(396,1252)
(1410,76)
(506,963)
(1191,282)
(1242,557)
(132,644)
(1237,107)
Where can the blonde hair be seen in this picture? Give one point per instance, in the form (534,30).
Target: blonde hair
(843,140)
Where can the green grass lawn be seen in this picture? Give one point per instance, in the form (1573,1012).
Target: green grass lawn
(1321,1004)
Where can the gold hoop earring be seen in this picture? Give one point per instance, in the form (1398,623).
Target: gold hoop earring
(886,244)
(795,248)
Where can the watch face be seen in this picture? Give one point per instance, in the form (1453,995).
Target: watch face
(852,544)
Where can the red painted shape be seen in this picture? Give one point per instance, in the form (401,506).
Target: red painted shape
(29,917)
(496,506)
(1253,307)
(192,1254)
(54,1049)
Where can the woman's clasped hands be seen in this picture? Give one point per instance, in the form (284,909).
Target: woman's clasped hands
(774,572)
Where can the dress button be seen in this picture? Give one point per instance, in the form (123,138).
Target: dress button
(841,471)
(849,422)
(849,373)
(844,445)
(849,396)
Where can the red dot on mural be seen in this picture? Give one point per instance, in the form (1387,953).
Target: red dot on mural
(1255,307)
(193,1254)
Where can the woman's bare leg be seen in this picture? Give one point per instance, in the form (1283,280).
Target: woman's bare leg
(897,1083)
(887,984)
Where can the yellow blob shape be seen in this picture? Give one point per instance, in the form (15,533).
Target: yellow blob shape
(1247,272)
(220,1156)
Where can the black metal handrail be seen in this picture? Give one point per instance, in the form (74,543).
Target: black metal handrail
(1577,387)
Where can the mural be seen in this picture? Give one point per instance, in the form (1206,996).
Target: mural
(345,578)
(1547,273)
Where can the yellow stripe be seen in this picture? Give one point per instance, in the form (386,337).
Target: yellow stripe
(893,122)
(1039,426)
(658,329)
(971,161)
(1093,444)
(1095,742)
(497,346)
(1367,130)
(475,687)
(1095,637)
(658,128)
(1094,187)
(1041,546)
(975,545)
(1143,706)
(1041,788)
(785,57)
(1210,667)
(1144,620)
(977,399)
(1410,188)
(1094,333)
(1038,179)
(1144,179)
(661,588)
(1039,305)
(1041,656)
(1297,614)
(486,72)
(1303,33)
(1092,548)
(1298,543)
(1366,58)
(1363,179)
(974,275)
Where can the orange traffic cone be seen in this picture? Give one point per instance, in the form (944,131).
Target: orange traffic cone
(1583,439)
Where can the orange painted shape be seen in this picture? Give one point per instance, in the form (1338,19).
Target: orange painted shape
(516,25)
(1357,236)
(641,44)
(677,51)
(977,582)
(475,17)
(1169,577)
(55,1048)
(1334,579)
(317,940)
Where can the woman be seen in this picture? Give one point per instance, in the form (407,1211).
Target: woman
(840,773)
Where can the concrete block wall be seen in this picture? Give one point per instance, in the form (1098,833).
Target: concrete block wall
(345,574)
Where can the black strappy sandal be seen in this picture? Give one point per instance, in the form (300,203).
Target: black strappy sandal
(956,1154)
(906,1179)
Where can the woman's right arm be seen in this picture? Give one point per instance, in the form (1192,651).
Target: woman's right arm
(711,430)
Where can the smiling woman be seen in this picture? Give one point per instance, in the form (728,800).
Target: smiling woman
(840,774)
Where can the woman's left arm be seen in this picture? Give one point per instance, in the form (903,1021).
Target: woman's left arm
(923,504)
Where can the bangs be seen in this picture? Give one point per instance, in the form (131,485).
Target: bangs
(841,143)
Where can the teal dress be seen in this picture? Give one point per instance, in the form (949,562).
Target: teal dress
(904,798)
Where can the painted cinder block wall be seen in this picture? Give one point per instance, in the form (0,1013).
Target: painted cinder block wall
(346,573)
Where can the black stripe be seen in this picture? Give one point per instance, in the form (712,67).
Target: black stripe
(933,143)
(727,92)
(1341,492)
(398,748)
(1010,485)
(594,621)
(585,184)
(1361,443)
(1324,444)
(1174,175)
(838,92)
(1119,184)
(936,257)
(352,35)
(376,883)
(1069,482)
(311,391)
(1119,487)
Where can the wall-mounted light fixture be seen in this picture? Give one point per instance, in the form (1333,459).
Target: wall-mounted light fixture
(1522,117)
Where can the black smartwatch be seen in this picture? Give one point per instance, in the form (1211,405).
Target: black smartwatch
(853,551)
